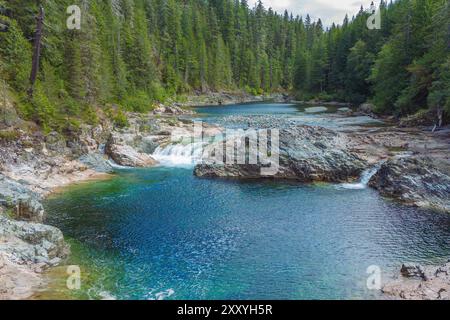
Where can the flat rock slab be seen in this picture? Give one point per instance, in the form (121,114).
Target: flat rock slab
(305,154)
(316,109)
(421,283)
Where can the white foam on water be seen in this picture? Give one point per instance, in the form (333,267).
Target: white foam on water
(363,181)
(164,294)
(117,166)
(179,155)
(105,295)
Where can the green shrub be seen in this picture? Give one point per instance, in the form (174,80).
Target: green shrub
(138,102)
(89,115)
(8,135)
(120,119)
(157,92)
(44,112)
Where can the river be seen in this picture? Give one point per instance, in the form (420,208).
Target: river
(161,233)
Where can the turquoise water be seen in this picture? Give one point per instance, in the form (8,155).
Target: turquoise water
(161,233)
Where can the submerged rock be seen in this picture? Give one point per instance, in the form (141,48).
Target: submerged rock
(421,283)
(316,109)
(415,181)
(306,154)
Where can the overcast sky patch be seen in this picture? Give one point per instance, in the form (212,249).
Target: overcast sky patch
(328,10)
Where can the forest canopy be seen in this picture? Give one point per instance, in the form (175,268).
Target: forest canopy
(136,52)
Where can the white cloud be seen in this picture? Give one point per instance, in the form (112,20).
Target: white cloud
(328,10)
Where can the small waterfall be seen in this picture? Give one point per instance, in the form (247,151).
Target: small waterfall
(363,180)
(179,155)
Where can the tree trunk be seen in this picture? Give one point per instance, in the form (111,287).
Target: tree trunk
(440,115)
(36,50)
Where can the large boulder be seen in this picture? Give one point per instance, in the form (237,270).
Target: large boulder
(20,200)
(97,162)
(306,154)
(415,181)
(126,155)
(26,250)
(32,243)
(367,108)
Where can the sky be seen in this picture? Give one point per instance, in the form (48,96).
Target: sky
(328,10)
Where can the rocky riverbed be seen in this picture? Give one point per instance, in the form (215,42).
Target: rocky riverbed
(415,170)
(33,165)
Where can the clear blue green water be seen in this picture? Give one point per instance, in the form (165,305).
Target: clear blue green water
(161,233)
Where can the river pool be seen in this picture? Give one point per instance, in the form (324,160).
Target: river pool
(161,233)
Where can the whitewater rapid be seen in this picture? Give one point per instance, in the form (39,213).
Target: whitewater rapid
(179,155)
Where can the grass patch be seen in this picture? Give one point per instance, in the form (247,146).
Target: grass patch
(9,135)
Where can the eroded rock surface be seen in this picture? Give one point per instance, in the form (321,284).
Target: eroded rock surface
(306,154)
(20,200)
(415,181)
(126,155)
(171,110)
(26,250)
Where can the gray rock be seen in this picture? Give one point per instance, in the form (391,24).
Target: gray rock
(56,143)
(171,110)
(367,108)
(306,154)
(415,181)
(24,203)
(26,242)
(420,283)
(413,271)
(97,162)
(151,143)
(126,155)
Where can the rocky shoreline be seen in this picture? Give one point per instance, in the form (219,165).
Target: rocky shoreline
(417,282)
(32,166)
(415,170)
